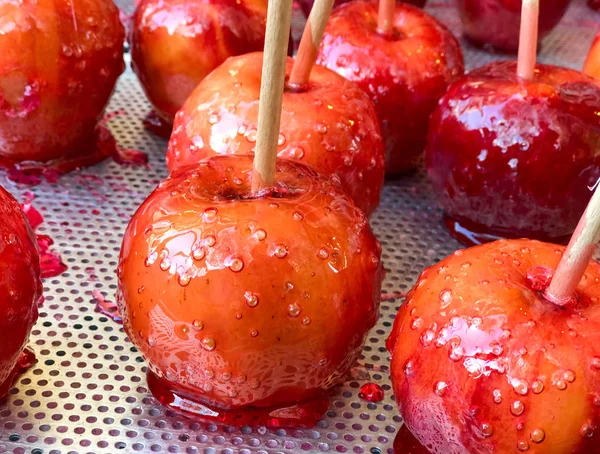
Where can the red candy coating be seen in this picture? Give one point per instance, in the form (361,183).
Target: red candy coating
(481,363)
(177,43)
(331,125)
(515,158)
(20,285)
(241,300)
(58,67)
(405,74)
(496,23)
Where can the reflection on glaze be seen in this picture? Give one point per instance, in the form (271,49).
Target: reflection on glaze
(58,67)
(405,74)
(482,363)
(512,158)
(177,43)
(229,296)
(20,287)
(330,125)
(494,24)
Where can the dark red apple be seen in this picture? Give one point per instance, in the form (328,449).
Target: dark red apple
(495,23)
(58,66)
(405,74)
(592,62)
(481,363)
(249,307)
(177,43)
(330,124)
(306,5)
(20,286)
(515,158)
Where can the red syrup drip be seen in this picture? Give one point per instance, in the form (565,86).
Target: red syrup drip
(156,124)
(123,156)
(371,392)
(108,308)
(24,362)
(406,443)
(594,4)
(51,264)
(388,296)
(302,415)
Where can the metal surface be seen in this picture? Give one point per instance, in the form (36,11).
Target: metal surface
(87,392)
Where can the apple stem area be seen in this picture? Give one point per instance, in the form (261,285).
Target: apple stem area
(279,19)
(385,17)
(528,39)
(310,42)
(578,254)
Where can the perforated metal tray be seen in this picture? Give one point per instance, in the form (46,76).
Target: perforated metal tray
(87,392)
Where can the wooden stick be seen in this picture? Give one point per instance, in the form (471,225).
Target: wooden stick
(385,18)
(528,39)
(579,252)
(592,62)
(279,18)
(309,44)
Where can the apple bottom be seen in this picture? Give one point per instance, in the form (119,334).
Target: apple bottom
(25,361)
(472,234)
(94,149)
(100,146)
(301,415)
(495,48)
(158,125)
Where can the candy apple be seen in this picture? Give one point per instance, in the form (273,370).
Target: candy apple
(249,306)
(514,158)
(20,286)
(58,67)
(405,73)
(482,363)
(330,124)
(306,5)
(177,43)
(495,24)
(592,63)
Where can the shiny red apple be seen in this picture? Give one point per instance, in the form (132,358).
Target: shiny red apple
(306,5)
(20,286)
(515,158)
(330,124)
(481,363)
(592,62)
(249,306)
(405,74)
(177,43)
(58,66)
(495,24)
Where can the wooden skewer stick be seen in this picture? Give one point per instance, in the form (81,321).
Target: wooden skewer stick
(528,39)
(385,18)
(579,252)
(279,18)
(309,44)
